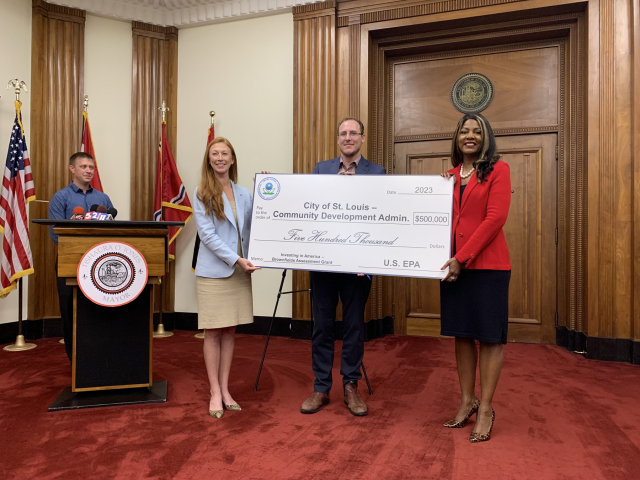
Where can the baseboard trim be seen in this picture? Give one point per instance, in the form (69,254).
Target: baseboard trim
(571,339)
(282,326)
(635,353)
(609,349)
(599,348)
(31,329)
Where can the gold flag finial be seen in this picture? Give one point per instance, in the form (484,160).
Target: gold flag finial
(212,114)
(164,110)
(86,102)
(17,84)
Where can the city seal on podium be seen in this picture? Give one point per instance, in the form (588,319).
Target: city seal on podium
(472,93)
(112,274)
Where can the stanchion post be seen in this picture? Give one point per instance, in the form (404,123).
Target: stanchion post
(161,333)
(20,345)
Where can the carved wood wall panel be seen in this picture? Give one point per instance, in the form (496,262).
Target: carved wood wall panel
(635,116)
(526,79)
(155,56)
(496,131)
(57,84)
(380,11)
(314,103)
(610,189)
(154,79)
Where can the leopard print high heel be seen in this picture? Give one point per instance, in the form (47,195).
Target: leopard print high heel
(455,424)
(477,437)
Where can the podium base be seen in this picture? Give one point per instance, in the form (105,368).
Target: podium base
(69,400)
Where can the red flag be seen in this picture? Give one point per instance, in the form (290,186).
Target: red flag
(17,190)
(170,192)
(87,147)
(212,134)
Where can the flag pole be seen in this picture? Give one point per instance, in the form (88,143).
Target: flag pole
(161,332)
(20,344)
(212,114)
(85,106)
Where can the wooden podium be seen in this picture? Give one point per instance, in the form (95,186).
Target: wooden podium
(112,362)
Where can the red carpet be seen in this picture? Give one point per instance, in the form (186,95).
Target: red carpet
(559,416)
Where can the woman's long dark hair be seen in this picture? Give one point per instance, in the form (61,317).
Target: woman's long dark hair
(487,156)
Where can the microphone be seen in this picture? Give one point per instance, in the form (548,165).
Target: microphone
(97,212)
(91,215)
(102,212)
(111,214)
(78,214)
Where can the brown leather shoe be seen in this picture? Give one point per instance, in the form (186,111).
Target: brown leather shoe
(315,402)
(354,401)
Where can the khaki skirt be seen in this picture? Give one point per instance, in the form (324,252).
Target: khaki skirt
(225,302)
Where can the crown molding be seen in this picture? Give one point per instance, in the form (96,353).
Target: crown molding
(181,13)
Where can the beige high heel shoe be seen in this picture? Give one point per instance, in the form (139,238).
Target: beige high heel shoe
(215,413)
(235,407)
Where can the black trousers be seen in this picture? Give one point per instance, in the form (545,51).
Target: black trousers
(65,297)
(354,292)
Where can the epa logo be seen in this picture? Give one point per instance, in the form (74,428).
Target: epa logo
(268,188)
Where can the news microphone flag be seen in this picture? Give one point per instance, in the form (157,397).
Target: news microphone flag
(196,246)
(170,192)
(17,191)
(87,147)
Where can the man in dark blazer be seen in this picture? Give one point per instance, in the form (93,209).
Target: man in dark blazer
(352,289)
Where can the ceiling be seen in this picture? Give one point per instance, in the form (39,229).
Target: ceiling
(180,13)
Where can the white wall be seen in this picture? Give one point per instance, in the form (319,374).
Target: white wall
(244,71)
(15,61)
(107,80)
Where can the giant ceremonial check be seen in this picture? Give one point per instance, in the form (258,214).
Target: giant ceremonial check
(372,224)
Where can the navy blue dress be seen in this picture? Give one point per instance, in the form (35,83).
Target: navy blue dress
(476,305)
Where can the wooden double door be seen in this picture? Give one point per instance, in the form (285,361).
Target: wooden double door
(530,232)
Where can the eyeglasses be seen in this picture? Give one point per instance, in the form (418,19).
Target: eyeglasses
(349,134)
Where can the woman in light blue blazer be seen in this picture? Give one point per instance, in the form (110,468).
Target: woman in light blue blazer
(222,211)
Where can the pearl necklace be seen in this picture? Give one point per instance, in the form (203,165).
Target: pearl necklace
(465,176)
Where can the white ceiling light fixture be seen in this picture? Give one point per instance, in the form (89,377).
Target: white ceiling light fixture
(180,13)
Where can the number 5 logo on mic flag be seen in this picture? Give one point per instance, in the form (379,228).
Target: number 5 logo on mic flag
(170,192)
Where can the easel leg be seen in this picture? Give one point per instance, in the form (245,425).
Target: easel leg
(366,378)
(264,353)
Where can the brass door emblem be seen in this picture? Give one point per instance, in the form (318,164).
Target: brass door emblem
(472,93)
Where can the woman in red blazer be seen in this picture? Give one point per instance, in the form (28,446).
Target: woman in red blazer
(474,295)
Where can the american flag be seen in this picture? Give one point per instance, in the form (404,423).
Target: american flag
(17,191)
